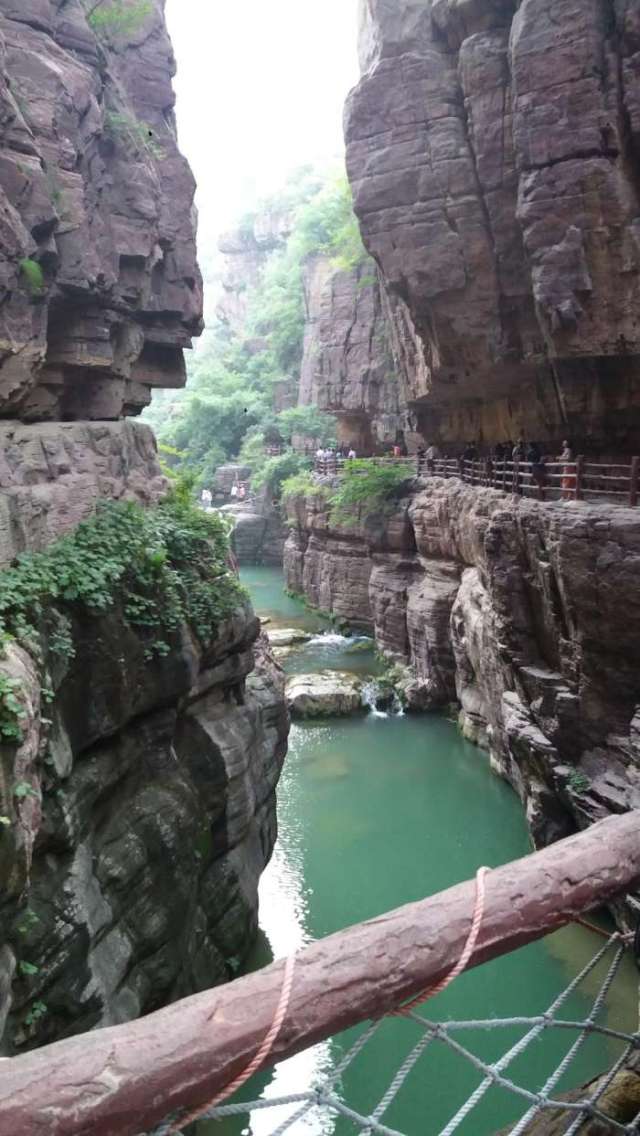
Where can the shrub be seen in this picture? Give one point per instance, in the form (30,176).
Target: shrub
(32,275)
(119,19)
(136,137)
(162,566)
(277,470)
(11,710)
(364,488)
(300,484)
(578,781)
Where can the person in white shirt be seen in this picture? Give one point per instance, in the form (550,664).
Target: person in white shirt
(352,454)
(234,490)
(432,454)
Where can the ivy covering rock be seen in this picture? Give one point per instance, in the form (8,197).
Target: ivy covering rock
(162,566)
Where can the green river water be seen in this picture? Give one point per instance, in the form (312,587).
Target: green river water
(375,812)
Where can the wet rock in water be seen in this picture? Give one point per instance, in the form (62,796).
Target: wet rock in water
(620,1101)
(324,695)
(287,637)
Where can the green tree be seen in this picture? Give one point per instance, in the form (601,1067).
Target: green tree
(365,488)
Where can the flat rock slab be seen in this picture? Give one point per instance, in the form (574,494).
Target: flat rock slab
(324,695)
(287,637)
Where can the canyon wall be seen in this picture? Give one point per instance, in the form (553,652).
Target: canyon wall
(100,288)
(139,811)
(355,364)
(493,151)
(246,251)
(137,780)
(525,615)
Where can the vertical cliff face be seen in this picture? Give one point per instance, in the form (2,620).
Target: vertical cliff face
(246,252)
(353,365)
(142,730)
(493,154)
(100,286)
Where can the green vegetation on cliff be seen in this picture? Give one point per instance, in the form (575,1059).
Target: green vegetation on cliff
(365,487)
(161,567)
(118,19)
(237,378)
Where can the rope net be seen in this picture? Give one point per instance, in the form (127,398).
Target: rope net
(323,1109)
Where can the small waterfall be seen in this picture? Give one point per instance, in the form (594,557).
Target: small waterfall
(374,693)
(330,639)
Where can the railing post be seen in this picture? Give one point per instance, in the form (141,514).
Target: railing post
(635,476)
(579,477)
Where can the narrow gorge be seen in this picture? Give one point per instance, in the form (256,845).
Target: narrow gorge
(319,566)
(501,211)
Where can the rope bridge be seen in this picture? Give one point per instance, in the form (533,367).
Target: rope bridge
(158,1074)
(325,1100)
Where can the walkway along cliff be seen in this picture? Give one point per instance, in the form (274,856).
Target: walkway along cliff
(493,155)
(140,742)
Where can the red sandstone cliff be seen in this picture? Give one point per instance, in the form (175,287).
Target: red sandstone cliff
(494,149)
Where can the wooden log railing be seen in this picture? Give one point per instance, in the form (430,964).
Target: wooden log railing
(124,1080)
(575,480)
(568,480)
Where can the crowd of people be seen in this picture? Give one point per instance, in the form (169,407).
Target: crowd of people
(346,453)
(238,492)
(510,456)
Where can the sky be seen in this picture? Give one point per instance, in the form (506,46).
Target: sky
(260,89)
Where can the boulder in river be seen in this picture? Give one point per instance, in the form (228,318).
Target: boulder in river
(287,637)
(324,695)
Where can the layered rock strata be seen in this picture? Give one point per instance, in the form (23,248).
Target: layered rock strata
(524,614)
(53,474)
(138,810)
(493,152)
(353,364)
(99,286)
(138,821)
(259,533)
(246,251)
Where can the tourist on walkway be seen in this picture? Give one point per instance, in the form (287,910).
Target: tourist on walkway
(352,454)
(519,450)
(538,468)
(234,490)
(517,456)
(432,455)
(568,473)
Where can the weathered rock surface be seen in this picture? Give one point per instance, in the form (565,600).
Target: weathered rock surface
(352,364)
(138,811)
(328,694)
(99,286)
(139,821)
(332,565)
(287,637)
(246,252)
(525,614)
(259,534)
(53,474)
(493,152)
